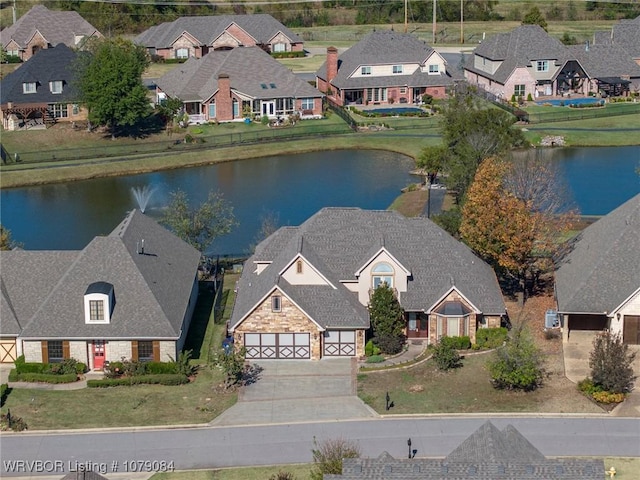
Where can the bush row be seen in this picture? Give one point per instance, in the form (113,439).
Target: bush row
(457,343)
(491,337)
(287,54)
(67,366)
(598,393)
(162,379)
(4,391)
(14,376)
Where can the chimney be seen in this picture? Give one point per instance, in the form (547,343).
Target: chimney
(142,249)
(224,102)
(332,63)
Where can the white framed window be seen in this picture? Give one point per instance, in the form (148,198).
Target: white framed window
(307,103)
(55,86)
(59,110)
(434,68)
(397,69)
(182,53)
(276,303)
(96,310)
(29,87)
(382,273)
(542,66)
(365,71)
(377,94)
(403,90)
(75,109)
(279,47)
(518,90)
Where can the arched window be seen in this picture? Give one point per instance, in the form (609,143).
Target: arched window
(299,266)
(382,273)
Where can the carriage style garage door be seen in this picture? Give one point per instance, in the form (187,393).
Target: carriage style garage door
(339,343)
(631,332)
(277,345)
(8,350)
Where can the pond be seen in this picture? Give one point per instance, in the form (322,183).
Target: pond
(289,188)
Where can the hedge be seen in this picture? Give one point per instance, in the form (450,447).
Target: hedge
(287,54)
(457,343)
(61,368)
(157,368)
(491,337)
(45,377)
(170,379)
(4,391)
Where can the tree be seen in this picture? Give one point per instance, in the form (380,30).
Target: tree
(200,226)
(432,159)
(6,241)
(328,455)
(445,355)
(387,319)
(518,364)
(270,222)
(110,83)
(611,363)
(534,17)
(168,108)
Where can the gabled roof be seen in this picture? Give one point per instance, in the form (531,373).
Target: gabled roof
(152,289)
(625,33)
(601,61)
(603,268)
(338,241)
(252,71)
(262,27)
(55,26)
(517,49)
(385,47)
(47,65)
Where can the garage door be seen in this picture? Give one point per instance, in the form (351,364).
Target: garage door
(277,345)
(7,350)
(587,322)
(339,343)
(631,332)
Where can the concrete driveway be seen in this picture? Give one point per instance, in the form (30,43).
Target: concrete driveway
(291,391)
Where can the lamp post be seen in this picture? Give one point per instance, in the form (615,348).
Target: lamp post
(409,444)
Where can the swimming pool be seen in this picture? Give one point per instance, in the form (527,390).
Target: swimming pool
(572,101)
(395,111)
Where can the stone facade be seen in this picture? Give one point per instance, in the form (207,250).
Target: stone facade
(226,40)
(167,351)
(434,318)
(79,351)
(32,351)
(115,350)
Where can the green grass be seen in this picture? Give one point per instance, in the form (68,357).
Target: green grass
(300,471)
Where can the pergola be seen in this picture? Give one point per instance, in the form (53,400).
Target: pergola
(613,86)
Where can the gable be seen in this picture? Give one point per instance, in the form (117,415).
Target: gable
(301,272)
(225,39)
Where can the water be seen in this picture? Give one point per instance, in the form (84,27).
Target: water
(572,101)
(290,188)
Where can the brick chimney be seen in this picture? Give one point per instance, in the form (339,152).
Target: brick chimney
(332,63)
(224,102)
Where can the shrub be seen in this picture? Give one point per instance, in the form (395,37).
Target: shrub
(551,334)
(264,120)
(47,377)
(587,386)
(608,397)
(491,337)
(11,422)
(81,368)
(611,363)
(368,348)
(445,355)
(457,343)
(66,367)
(4,391)
(114,370)
(287,54)
(166,379)
(375,359)
(13,375)
(160,368)
(529,97)
(517,365)
(282,475)
(183,363)
(389,344)
(427,99)
(328,455)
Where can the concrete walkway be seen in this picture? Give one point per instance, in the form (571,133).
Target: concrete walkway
(415,348)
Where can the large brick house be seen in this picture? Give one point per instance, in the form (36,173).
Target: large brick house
(228,85)
(383,68)
(128,294)
(41,28)
(196,36)
(304,293)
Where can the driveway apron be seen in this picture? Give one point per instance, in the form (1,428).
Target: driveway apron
(289,391)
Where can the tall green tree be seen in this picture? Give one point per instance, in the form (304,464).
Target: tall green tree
(199,226)
(518,364)
(110,83)
(535,17)
(611,363)
(387,319)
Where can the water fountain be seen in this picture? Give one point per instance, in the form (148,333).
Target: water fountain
(142,196)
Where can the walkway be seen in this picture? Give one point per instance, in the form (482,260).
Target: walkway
(415,348)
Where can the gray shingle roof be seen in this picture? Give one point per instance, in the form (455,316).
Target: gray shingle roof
(262,27)
(385,48)
(250,70)
(487,454)
(152,290)
(625,33)
(605,61)
(603,268)
(56,27)
(339,241)
(51,64)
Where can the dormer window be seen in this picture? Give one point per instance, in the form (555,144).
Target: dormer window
(55,87)
(382,273)
(542,66)
(29,87)
(397,69)
(98,303)
(434,69)
(365,71)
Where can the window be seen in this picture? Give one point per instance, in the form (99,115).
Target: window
(59,110)
(518,90)
(55,351)
(29,87)
(403,90)
(75,109)
(55,87)
(276,303)
(397,69)
(96,310)
(377,94)
(382,273)
(435,68)
(145,351)
(307,103)
(542,66)
(299,266)
(182,53)
(365,71)
(279,47)
(236,108)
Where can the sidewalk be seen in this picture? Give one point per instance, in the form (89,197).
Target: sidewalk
(415,348)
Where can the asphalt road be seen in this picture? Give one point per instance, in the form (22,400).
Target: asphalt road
(108,452)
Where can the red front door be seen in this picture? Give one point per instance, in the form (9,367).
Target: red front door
(98,354)
(417,325)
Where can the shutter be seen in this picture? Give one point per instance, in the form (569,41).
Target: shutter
(156,351)
(134,350)
(65,349)
(45,351)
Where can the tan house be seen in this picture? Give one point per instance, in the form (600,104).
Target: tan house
(188,37)
(304,293)
(41,28)
(128,294)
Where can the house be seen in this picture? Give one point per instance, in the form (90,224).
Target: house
(41,91)
(196,36)
(127,294)
(227,85)
(625,34)
(487,453)
(41,28)
(383,68)
(597,284)
(304,292)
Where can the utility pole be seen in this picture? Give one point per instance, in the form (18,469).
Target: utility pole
(434,22)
